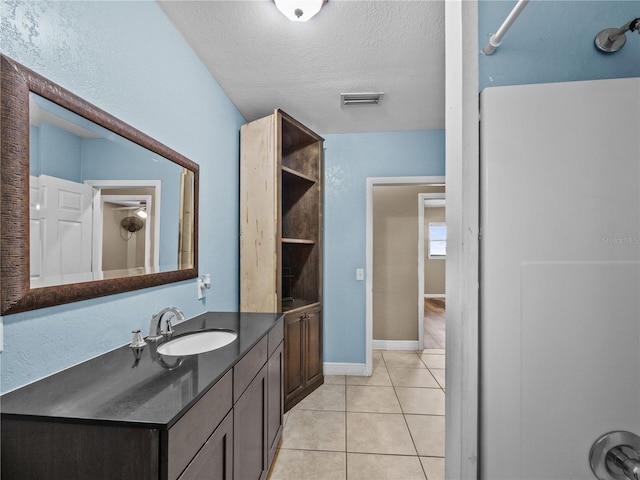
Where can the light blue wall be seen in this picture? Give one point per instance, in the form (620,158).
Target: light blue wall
(34,151)
(59,153)
(127,58)
(66,159)
(105,159)
(349,160)
(552,41)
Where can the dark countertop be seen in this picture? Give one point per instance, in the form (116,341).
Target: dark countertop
(114,388)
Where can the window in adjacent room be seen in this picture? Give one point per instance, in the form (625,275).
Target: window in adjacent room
(437,240)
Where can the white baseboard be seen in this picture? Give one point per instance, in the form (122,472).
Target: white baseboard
(435,295)
(395,345)
(344,369)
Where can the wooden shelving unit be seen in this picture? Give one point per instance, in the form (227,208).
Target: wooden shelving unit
(281,239)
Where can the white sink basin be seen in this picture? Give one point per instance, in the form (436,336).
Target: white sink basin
(197,342)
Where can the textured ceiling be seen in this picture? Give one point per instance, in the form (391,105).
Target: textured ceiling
(264,61)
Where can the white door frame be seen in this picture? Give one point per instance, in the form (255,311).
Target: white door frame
(421,241)
(98,233)
(462,146)
(371,182)
(101,187)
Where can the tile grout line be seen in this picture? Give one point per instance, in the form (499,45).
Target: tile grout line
(344,384)
(404,417)
(434,377)
(346,433)
(428,370)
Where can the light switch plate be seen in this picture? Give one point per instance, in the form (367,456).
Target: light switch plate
(359,273)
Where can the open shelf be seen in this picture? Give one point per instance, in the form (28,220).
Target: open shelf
(289,175)
(281,178)
(301,149)
(300,273)
(301,241)
(300,208)
(289,305)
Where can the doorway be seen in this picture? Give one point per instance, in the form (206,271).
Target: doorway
(127,197)
(432,241)
(125,244)
(371,184)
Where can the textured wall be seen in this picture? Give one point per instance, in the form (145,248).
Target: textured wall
(349,160)
(104,159)
(552,41)
(127,58)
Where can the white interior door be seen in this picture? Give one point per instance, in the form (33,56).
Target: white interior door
(560,274)
(65,224)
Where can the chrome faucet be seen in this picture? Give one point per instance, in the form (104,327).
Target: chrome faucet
(158,331)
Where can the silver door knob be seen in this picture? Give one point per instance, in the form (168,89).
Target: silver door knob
(616,456)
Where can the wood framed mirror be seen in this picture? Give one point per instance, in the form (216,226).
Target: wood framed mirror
(54,142)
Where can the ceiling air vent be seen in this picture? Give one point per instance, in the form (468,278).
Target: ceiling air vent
(355,99)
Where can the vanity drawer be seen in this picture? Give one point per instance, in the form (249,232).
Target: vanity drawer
(215,460)
(186,437)
(276,335)
(248,367)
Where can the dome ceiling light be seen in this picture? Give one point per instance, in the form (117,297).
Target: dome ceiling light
(299,10)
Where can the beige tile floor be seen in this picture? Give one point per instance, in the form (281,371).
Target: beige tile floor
(389,426)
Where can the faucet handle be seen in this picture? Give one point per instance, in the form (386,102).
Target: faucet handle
(138,341)
(168,331)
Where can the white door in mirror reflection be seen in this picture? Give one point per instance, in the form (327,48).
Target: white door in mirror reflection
(61,230)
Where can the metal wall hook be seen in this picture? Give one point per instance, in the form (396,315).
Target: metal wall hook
(616,456)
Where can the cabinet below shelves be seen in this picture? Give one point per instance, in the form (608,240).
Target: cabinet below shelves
(303,354)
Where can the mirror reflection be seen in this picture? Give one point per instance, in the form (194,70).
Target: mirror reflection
(102,206)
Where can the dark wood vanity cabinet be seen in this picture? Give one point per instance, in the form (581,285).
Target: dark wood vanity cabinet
(231,432)
(215,460)
(37,450)
(303,354)
(243,446)
(202,426)
(250,440)
(258,410)
(275,401)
